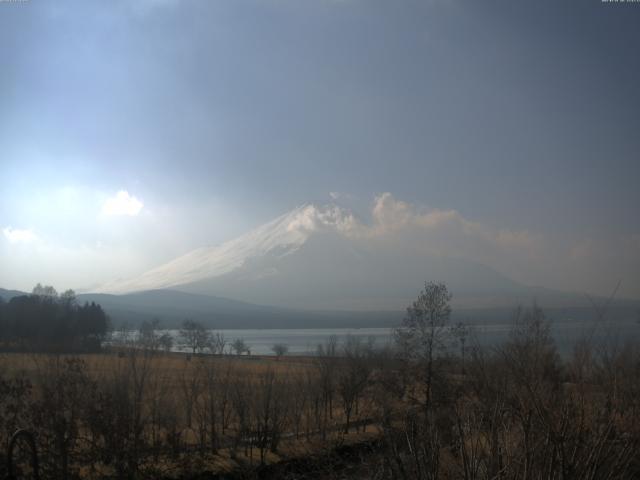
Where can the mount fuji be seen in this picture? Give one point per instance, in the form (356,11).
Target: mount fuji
(323,258)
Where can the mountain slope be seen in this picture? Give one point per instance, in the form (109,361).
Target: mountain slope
(274,238)
(331,272)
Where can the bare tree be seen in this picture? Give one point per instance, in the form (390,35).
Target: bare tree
(299,400)
(190,387)
(420,339)
(148,336)
(422,335)
(353,376)
(212,412)
(240,403)
(461,332)
(63,385)
(217,343)
(280,349)
(45,292)
(194,336)
(326,365)
(269,411)
(165,342)
(124,335)
(119,414)
(239,346)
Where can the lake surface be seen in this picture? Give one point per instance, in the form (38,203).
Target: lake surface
(305,341)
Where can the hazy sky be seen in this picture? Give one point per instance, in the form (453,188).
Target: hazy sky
(134,131)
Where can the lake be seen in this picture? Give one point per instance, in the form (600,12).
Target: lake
(305,341)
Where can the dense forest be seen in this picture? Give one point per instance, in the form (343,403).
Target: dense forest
(48,321)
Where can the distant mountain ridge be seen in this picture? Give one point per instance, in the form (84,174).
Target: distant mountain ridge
(173,307)
(7,295)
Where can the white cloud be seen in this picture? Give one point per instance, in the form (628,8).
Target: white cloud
(331,218)
(16,235)
(390,214)
(122,204)
(426,231)
(448,229)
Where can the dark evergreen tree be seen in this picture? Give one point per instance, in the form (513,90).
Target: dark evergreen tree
(46,321)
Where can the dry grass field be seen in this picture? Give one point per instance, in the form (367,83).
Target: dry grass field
(182,414)
(170,364)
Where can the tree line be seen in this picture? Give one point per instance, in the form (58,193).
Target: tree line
(193,337)
(48,321)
